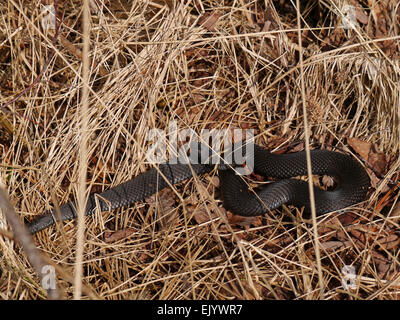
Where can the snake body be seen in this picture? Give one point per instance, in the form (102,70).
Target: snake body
(351,179)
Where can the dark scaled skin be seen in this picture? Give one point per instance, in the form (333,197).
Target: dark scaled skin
(352,185)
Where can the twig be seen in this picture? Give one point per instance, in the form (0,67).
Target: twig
(308,156)
(23,237)
(83,153)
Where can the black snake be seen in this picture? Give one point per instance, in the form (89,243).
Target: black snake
(351,179)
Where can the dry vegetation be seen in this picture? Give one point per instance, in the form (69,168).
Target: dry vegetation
(205,64)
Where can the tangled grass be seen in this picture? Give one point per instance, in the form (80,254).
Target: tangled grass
(206,65)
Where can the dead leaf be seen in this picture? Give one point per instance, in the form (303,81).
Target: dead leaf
(209,19)
(298,147)
(347,218)
(335,39)
(198,99)
(375,182)
(378,162)
(383,268)
(110,237)
(327,181)
(382,263)
(243,221)
(201,214)
(369,153)
(389,242)
(395,211)
(266,26)
(332,224)
(361,16)
(363,148)
(165,201)
(214,181)
(332,245)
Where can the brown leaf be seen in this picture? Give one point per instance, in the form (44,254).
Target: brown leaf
(298,147)
(389,242)
(165,201)
(327,181)
(165,198)
(358,237)
(383,268)
(382,263)
(266,26)
(332,245)
(363,148)
(243,221)
(378,162)
(331,224)
(214,181)
(201,214)
(375,181)
(368,152)
(336,38)
(110,236)
(198,99)
(209,19)
(395,211)
(361,16)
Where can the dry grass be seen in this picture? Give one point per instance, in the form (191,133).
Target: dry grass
(152,64)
